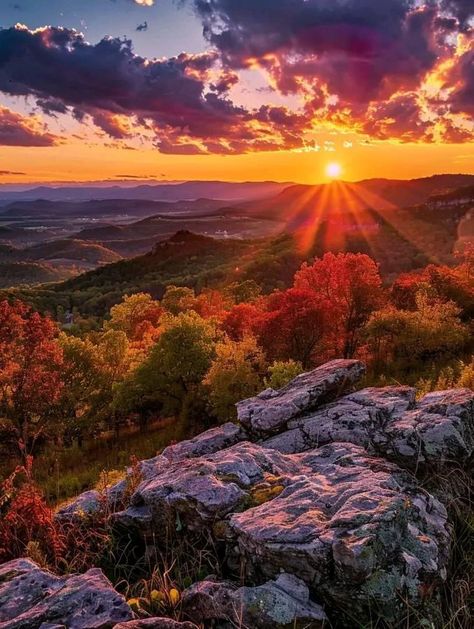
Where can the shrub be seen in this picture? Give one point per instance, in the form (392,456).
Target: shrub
(26,522)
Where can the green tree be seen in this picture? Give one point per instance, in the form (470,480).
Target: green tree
(92,373)
(235,374)
(406,338)
(243,292)
(171,376)
(178,299)
(281,372)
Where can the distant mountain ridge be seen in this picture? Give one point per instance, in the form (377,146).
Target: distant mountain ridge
(378,194)
(399,192)
(187,191)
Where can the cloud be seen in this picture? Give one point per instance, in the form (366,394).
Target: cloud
(462,10)
(176,99)
(6,173)
(397,69)
(16,130)
(353,59)
(145,3)
(462,76)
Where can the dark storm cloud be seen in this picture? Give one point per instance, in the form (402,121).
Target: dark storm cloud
(15,130)
(359,47)
(463,10)
(462,99)
(57,63)
(372,55)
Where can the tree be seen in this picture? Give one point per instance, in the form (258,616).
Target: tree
(235,374)
(178,299)
(136,315)
(91,375)
(83,378)
(281,372)
(294,326)
(350,283)
(243,320)
(212,303)
(171,376)
(243,292)
(31,363)
(406,338)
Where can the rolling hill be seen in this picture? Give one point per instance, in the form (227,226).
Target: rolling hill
(317,219)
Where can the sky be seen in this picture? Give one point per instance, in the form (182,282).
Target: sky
(287,90)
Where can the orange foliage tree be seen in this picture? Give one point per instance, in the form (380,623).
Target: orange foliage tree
(30,372)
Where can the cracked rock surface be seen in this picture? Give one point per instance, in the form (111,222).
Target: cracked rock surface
(31,597)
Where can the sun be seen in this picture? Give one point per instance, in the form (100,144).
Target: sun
(333,170)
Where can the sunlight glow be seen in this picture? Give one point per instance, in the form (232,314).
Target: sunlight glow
(333,170)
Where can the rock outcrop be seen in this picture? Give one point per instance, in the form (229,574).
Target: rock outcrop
(354,527)
(277,604)
(155,623)
(313,496)
(31,597)
(270,411)
(436,431)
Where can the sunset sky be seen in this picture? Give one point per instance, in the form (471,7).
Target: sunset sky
(235,89)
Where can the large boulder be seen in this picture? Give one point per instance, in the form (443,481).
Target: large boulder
(270,411)
(437,430)
(207,442)
(201,490)
(22,585)
(353,527)
(155,623)
(316,482)
(31,597)
(281,604)
(91,502)
(358,418)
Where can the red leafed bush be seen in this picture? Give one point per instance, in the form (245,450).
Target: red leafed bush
(26,521)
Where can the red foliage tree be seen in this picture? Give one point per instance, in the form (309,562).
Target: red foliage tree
(212,303)
(30,371)
(293,326)
(242,320)
(448,284)
(350,284)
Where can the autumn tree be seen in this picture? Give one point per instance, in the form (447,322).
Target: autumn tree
(170,378)
(136,315)
(178,299)
(92,371)
(235,374)
(243,292)
(294,326)
(31,363)
(406,338)
(243,320)
(81,395)
(212,304)
(350,283)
